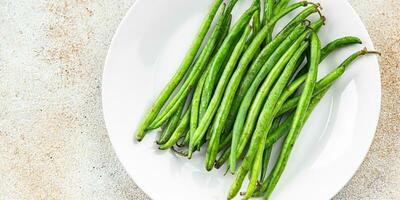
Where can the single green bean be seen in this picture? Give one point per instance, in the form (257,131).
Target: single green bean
(171,126)
(280,6)
(193,75)
(206,120)
(299,116)
(212,148)
(339,43)
(226,141)
(194,114)
(182,127)
(268,151)
(268,14)
(177,78)
(212,78)
(223,158)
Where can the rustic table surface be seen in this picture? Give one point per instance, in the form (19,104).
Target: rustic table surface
(53,141)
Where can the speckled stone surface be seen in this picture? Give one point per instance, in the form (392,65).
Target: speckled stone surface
(53,141)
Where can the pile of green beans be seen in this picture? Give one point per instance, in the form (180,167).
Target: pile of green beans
(246,89)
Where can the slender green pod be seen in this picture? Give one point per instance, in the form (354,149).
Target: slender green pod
(212,148)
(226,141)
(171,126)
(193,77)
(268,14)
(210,83)
(180,130)
(339,43)
(300,114)
(206,120)
(280,6)
(194,113)
(223,158)
(268,151)
(187,61)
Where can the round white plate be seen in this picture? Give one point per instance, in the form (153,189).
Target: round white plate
(146,50)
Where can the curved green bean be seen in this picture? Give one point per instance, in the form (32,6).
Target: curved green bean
(182,127)
(268,14)
(223,158)
(171,126)
(268,150)
(194,113)
(339,43)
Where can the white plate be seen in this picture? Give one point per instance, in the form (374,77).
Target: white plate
(147,48)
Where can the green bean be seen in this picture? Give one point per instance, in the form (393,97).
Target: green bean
(206,120)
(260,61)
(266,117)
(280,6)
(217,63)
(268,150)
(186,138)
(226,141)
(194,113)
(234,82)
(339,43)
(224,32)
(193,75)
(299,116)
(171,126)
(268,14)
(244,126)
(223,158)
(256,20)
(210,84)
(182,127)
(230,7)
(212,148)
(177,78)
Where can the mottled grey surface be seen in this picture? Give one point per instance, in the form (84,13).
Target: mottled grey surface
(53,141)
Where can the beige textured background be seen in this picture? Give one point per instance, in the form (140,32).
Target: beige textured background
(53,142)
